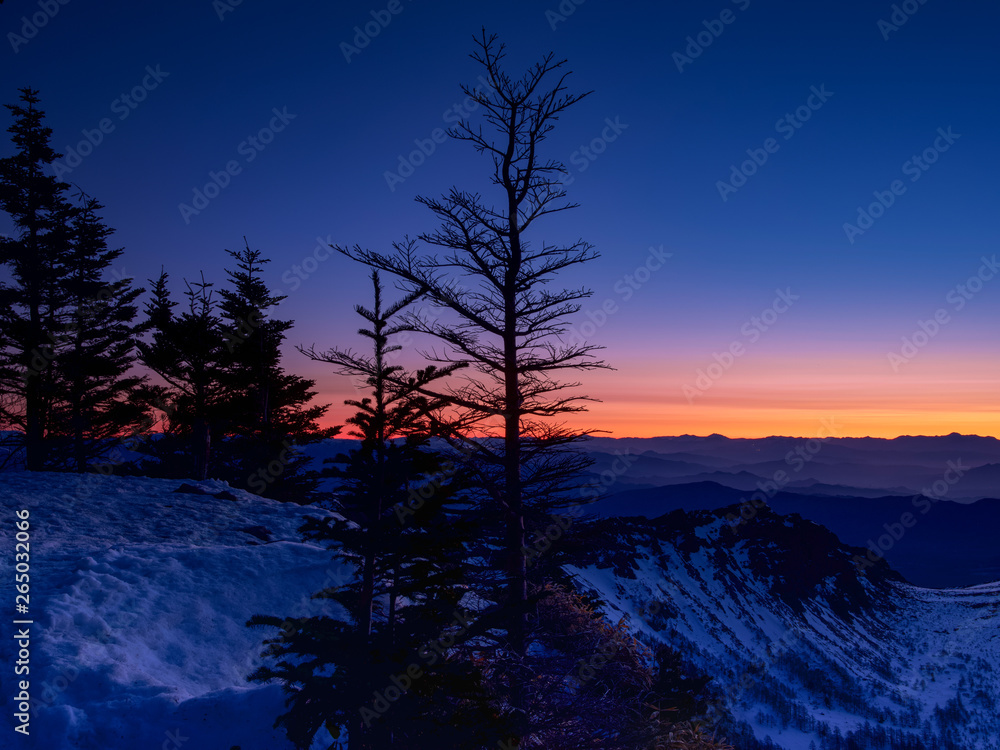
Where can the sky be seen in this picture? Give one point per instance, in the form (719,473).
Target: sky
(794,203)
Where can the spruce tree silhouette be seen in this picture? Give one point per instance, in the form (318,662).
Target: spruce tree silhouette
(187,351)
(266,414)
(380,673)
(40,209)
(99,395)
(67,337)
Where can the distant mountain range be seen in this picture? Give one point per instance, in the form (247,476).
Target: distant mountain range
(904,465)
(951,544)
(860,488)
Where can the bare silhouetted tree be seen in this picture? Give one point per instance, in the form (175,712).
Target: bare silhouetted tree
(501,316)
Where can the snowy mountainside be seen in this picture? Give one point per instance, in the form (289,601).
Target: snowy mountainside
(804,647)
(139,596)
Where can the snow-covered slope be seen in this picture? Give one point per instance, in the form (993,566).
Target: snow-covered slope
(805,647)
(139,595)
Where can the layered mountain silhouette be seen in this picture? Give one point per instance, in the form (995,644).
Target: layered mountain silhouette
(926,504)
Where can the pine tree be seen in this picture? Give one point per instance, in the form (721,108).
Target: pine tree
(187,351)
(38,205)
(266,415)
(98,398)
(404,530)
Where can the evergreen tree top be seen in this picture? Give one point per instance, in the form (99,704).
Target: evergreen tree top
(28,132)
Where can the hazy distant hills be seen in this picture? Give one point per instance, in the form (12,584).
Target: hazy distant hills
(859,488)
(925,450)
(981,481)
(951,544)
(861,467)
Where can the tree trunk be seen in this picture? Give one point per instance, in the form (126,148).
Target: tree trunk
(77,385)
(202,445)
(517,565)
(34,437)
(79,444)
(358,737)
(34,443)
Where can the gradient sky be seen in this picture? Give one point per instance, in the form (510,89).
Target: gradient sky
(323,178)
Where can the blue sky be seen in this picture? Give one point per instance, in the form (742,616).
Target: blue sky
(684,123)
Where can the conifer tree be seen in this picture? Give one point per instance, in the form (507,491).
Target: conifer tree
(98,397)
(38,205)
(187,351)
(68,341)
(266,412)
(404,528)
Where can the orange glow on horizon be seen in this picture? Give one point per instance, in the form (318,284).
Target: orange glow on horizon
(636,419)
(842,397)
